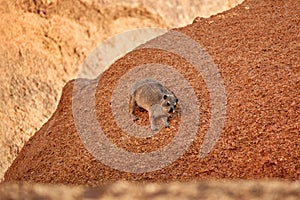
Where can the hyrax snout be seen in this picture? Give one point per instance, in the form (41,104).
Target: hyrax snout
(152,96)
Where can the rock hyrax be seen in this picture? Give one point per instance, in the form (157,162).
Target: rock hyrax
(152,96)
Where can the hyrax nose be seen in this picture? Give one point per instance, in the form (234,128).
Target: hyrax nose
(171,110)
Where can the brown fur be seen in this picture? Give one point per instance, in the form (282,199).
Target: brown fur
(152,96)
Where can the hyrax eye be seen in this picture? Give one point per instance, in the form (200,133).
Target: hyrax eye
(174,106)
(168,104)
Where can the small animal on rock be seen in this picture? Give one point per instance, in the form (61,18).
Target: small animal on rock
(152,96)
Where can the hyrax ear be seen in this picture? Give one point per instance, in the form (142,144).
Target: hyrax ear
(165,96)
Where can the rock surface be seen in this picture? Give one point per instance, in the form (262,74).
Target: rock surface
(239,190)
(256,48)
(44,42)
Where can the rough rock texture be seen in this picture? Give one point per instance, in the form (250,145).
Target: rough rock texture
(240,190)
(256,49)
(44,42)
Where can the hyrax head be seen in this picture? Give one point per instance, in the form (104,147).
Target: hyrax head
(168,103)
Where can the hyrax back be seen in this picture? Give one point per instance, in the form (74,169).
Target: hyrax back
(152,96)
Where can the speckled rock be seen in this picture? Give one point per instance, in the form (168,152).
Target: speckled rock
(255,47)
